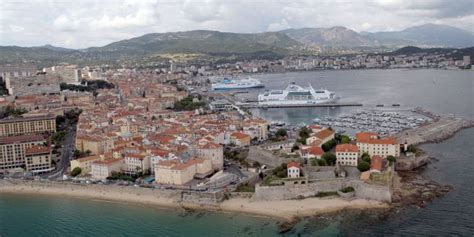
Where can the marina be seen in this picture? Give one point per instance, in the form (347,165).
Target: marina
(382,122)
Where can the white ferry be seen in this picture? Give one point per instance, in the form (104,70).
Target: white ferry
(295,95)
(228,84)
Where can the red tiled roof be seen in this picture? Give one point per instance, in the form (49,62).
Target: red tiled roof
(372,138)
(347,148)
(325,133)
(37,150)
(314,150)
(239,135)
(294,164)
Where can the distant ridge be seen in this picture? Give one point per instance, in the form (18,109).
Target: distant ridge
(224,46)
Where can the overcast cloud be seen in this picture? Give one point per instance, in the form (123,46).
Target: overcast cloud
(85,23)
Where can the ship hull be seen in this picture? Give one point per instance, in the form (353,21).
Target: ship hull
(236,87)
(295,102)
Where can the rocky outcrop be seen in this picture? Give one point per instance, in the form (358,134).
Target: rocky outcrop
(411,163)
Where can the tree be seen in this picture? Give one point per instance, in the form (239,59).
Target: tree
(329,145)
(295,148)
(313,161)
(281,133)
(77,153)
(345,139)
(391,159)
(366,157)
(76,171)
(363,166)
(412,148)
(304,132)
(59,136)
(60,120)
(322,162)
(329,157)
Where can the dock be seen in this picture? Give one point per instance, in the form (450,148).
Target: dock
(441,129)
(257,106)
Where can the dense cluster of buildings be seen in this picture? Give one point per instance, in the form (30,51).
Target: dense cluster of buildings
(133,129)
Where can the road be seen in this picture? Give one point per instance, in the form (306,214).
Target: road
(66,153)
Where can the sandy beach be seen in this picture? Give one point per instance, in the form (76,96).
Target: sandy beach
(285,209)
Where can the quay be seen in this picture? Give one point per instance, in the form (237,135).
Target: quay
(257,106)
(439,130)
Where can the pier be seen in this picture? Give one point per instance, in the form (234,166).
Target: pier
(439,130)
(258,106)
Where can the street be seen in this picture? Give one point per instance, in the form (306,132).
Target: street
(66,153)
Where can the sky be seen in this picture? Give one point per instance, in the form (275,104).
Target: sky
(87,23)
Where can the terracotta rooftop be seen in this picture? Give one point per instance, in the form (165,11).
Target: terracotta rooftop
(347,148)
(294,164)
(325,133)
(372,138)
(34,150)
(21,138)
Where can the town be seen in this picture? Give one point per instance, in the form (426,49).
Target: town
(80,126)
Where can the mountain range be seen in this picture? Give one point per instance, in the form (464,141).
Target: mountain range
(215,45)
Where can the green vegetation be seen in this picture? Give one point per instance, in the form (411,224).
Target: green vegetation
(322,162)
(313,162)
(245,187)
(347,189)
(76,171)
(295,148)
(188,104)
(60,120)
(303,135)
(366,157)
(91,86)
(269,180)
(391,159)
(412,148)
(281,133)
(280,171)
(343,139)
(14,112)
(122,176)
(329,157)
(326,194)
(329,145)
(58,136)
(363,166)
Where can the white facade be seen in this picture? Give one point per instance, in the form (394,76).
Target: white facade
(293,172)
(347,158)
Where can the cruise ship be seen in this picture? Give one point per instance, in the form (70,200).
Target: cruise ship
(295,95)
(228,84)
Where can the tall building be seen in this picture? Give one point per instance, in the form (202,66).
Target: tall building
(13,151)
(28,125)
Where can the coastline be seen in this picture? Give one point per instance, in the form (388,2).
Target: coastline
(285,210)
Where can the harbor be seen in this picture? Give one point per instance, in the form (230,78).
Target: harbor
(254,105)
(380,121)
